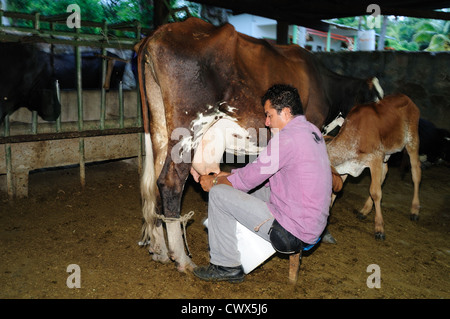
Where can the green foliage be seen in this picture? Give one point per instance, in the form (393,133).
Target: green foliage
(112,11)
(409,34)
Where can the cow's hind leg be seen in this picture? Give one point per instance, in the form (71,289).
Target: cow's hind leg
(156,141)
(377,177)
(416,172)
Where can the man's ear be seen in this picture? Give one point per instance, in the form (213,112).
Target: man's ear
(287,112)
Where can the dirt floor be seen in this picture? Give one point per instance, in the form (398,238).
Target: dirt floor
(98,229)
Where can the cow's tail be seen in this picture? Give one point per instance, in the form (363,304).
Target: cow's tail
(148,179)
(148,192)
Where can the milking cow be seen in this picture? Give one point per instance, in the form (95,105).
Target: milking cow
(195,77)
(26,80)
(370,134)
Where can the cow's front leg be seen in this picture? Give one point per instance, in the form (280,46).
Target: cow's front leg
(368,205)
(176,247)
(171,185)
(367,208)
(152,230)
(158,248)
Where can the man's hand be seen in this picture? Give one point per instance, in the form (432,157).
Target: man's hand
(206,181)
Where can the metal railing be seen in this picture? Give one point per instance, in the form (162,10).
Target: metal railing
(44,30)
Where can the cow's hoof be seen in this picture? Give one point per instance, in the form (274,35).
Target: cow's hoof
(380,236)
(328,238)
(188,266)
(360,215)
(414,217)
(161,258)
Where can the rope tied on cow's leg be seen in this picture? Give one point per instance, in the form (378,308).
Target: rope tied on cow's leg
(183,220)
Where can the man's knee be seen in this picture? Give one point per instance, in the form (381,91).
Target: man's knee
(219,192)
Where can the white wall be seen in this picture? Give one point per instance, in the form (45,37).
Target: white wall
(259,27)
(3,7)
(254,26)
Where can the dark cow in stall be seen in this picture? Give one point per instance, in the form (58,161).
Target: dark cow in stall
(370,134)
(91,70)
(28,77)
(434,148)
(434,142)
(195,77)
(26,80)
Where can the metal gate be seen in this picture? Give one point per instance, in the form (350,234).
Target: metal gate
(42,145)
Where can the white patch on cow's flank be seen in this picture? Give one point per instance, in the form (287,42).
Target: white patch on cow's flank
(352,167)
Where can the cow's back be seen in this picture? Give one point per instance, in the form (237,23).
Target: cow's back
(219,64)
(382,125)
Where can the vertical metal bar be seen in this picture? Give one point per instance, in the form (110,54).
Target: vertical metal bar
(82,163)
(34,119)
(80,113)
(103,94)
(121,111)
(36,21)
(6,128)
(328,47)
(103,90)
(58,91)
(138,94)
(79,87)
(139,110)
(9,176)
(58,95)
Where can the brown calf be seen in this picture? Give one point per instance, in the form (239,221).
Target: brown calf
(370,134)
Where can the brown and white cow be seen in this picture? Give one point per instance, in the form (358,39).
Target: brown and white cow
(194,77)
(369,135)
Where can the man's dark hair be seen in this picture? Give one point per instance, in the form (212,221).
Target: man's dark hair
(283,95)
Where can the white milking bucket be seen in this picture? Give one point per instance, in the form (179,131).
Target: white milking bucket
(254,250)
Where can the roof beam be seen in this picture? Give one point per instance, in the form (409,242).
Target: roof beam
(308,13)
